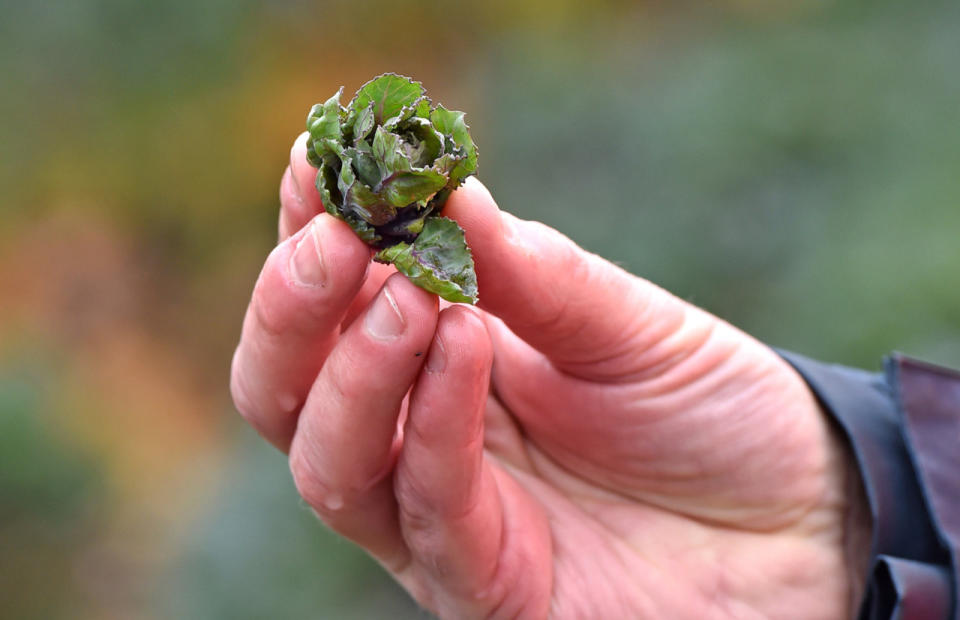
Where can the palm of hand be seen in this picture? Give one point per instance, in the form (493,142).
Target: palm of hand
(705,488)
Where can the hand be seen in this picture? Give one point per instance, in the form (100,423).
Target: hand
(585,446)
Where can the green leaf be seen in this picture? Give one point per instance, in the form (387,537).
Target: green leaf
(327,178)
(406,226)
(421,143)
(312,156)
(403,188)
(324,120)
(406,113)
(423,108)
(389,93)
(327,186)
(360,200)
(445,163)
(330,150)
(386,152)
(363,123)
(451,124)
(438,261)
(367,169)
(363,230)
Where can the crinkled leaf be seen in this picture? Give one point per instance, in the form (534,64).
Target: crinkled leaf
(423,108)
(405,113)
(360,200)
(367,169)
(330,149)
(364,164)
(387,153)
(438,261)
(327,179)
(312,156)
(421,143)
(450,123)
(363,123)
(327,186)
(403,188)
(389,93)
(324,120)
(325,150)
(365,231)
(406,226)
(445,163)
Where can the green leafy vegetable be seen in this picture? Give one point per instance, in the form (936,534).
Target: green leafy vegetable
(386,164)
(438,260)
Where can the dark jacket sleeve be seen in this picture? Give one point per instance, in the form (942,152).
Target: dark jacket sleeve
(903,427)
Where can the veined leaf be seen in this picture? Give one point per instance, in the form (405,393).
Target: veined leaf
(389,93)
(421,142)
(387,153)
(451,123)
(406,113)
(438,261)
(402,188)
(363,123)
(327,186)
(360,200)
(367,169)
(324,120)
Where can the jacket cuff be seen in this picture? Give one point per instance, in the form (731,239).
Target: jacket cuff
(903,429)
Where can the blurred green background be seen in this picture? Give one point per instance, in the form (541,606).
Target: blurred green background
(791,166)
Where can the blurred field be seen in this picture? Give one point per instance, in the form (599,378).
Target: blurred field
(792,168)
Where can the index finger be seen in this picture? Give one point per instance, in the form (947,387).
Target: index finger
(299,199)
(293,320)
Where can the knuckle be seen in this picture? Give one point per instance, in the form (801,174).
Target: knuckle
(568,313)
(266,302)
(239,390)
(248,406)
(575,265)
(422,534)
(310,485)
(270,316)
(347,388)
(418,518)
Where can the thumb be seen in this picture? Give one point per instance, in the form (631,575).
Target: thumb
(588,316)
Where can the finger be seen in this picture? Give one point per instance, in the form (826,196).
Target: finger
(375,278)
(449,496)
(299,199)
(377,275)
(590,317)
(302,293)
(341,456)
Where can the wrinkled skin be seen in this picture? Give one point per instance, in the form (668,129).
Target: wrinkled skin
(586,445)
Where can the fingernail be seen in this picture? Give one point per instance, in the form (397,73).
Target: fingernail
(384,320)
(437,359)
(306,264)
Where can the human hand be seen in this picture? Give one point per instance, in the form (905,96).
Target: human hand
(586,445)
